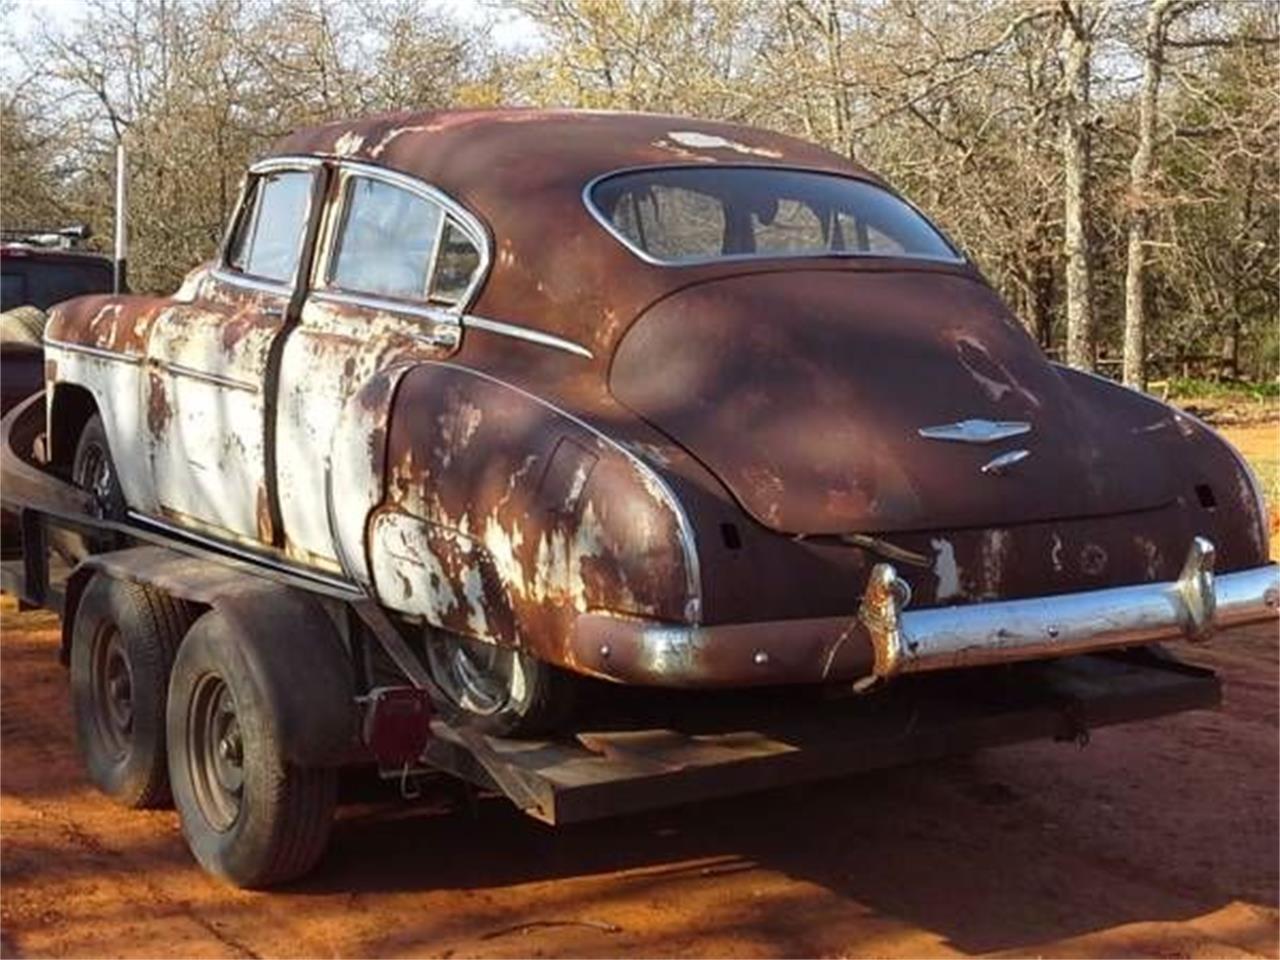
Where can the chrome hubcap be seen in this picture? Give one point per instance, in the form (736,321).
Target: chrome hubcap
(477,676)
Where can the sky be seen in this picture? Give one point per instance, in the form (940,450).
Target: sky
(510,30)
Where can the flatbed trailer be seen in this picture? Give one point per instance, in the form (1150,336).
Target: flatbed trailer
(651,749)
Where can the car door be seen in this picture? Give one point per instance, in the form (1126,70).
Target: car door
(210,383)
(397,263)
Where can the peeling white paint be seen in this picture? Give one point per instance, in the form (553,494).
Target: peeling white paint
(944,568)
(347,144)
(709,141)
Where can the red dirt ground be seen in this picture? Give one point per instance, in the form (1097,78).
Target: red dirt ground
(1158,839)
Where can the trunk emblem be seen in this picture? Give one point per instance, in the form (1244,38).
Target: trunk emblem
(976,431)
(1003,462)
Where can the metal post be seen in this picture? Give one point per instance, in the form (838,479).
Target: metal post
(121,238)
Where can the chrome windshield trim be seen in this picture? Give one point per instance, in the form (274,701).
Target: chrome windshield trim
(97,352)
(518,332)
(958,259)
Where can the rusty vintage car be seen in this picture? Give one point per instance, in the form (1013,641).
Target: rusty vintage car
(655,400)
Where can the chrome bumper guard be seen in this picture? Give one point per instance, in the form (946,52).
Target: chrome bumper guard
(1191,607)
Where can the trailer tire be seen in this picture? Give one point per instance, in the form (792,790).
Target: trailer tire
(248,814)
(123,644)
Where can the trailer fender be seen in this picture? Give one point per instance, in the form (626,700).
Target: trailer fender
(297,661)
(292,644)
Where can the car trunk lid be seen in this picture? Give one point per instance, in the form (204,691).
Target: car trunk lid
(805,392)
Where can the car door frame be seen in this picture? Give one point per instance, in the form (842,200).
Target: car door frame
(382,333)
(225,290)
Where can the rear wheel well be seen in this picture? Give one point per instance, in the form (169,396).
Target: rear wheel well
(70,410)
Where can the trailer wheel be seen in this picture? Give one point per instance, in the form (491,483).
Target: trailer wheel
(497,689)
(122,648)
(248,814)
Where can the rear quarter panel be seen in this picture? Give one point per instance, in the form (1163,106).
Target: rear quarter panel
(504,517)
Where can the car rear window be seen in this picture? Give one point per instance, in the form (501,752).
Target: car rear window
(676,215)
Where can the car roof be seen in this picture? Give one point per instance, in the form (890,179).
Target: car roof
(466,151)
(522,172)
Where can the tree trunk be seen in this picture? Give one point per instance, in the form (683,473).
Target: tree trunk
(1140,187)
(1075,45)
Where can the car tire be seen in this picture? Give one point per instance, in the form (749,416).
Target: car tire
(92,469)
(248,814)
(123,643)
(497,689)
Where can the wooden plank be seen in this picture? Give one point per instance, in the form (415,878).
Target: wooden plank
(607,773)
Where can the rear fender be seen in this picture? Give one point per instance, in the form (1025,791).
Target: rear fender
(505,517)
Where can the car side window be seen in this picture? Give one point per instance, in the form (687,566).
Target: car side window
(456,265)
(393,242)
(386,241)
(268,239)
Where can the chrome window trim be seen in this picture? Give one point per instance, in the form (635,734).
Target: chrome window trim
(223,269)
(97,352)
(248,282)
(469,223)
(688,544)
(958,259)
(422,311)
(517,332)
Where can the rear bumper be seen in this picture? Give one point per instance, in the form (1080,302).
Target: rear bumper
(886,639)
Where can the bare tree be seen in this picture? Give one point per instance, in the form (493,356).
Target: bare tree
(1159,13)
(1079,22)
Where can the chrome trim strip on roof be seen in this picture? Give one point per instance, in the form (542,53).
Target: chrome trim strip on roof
(518,332)
(97,352)
(598,214)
